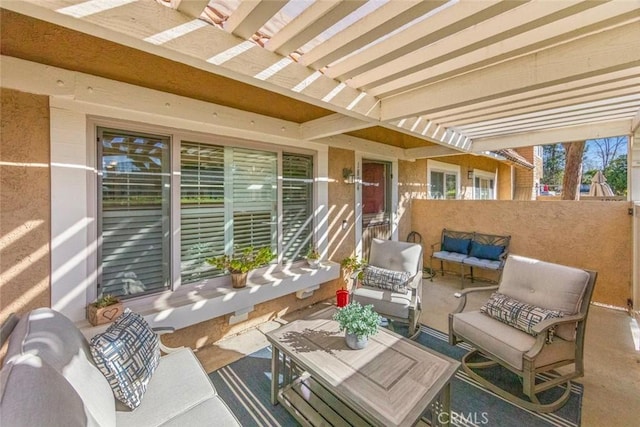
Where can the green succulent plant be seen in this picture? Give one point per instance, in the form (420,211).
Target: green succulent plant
(357,319)
(243,262)
(106,300)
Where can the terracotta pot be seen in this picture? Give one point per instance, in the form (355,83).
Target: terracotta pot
(355,342)
(98,316)
(239,280)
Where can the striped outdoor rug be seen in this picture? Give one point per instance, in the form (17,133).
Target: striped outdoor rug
(245,386)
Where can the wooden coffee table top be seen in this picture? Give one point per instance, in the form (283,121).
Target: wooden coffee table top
(390,382)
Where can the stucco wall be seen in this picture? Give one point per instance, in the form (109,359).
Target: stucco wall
(24,203)
(594,235)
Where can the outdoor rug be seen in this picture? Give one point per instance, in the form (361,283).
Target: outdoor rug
(245,386)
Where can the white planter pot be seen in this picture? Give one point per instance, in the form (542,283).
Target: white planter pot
(355,342)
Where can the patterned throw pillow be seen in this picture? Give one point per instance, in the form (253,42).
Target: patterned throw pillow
(382,278)
(127,353)
(517,314)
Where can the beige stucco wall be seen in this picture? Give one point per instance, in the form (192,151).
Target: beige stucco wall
(595,235)
(25,203)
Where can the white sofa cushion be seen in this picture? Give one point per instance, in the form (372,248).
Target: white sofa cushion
(177,387)
(385,302)
(61,346)
(397,256)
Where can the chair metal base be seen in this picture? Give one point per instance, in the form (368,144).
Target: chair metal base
(533,405)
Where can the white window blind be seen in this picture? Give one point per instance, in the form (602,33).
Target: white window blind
(133,220)
(202,215)
(297,205)
(254,199)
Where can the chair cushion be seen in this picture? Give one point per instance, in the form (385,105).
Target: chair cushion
(386,302)
(483,263)
(451,244)
(516,313)
(537,282)
(397,256)
(449,256)
(382,278)
(505,342)
(483,251)
(127,353)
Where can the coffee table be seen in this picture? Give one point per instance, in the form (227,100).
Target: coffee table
(391,382)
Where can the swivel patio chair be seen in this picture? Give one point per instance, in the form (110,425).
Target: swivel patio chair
(533,324)
(392,281)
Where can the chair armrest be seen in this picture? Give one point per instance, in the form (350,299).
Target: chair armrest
(463,296)
(7,327)
(434,245)
(550,323)
(162,330)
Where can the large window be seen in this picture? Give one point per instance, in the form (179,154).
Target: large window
(443,180)
(228,201)
(134,200)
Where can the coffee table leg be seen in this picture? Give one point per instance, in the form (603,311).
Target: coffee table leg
(275,374)
(446,405)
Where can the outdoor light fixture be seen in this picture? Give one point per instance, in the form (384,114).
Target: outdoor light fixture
(349,177)
(470,174)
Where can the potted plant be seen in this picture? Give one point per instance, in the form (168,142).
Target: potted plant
(104,310)
(313,257)
(239,265)
(350,266)
(359,323)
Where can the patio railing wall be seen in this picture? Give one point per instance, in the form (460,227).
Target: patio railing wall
(595,235)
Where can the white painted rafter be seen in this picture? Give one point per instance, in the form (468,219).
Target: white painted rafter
(333,124)
(313,21)
(192,8)
(251,15)
(530,28)
(553,136)
(598,54)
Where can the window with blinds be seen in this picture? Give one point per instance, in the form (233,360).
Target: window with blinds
(297,206)
(133,220)
(202,213)
(228,201)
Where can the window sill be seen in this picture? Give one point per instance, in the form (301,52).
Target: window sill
(195,303)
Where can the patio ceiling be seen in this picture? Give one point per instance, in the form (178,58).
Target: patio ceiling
(469,76)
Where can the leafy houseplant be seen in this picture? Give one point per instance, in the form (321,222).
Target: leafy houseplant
(359,323)
(313,257)
(239,265)
(105,309)
(350,265)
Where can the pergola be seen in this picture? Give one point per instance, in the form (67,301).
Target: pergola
(431,78)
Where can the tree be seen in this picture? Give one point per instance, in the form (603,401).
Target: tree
(573,170)
(616,175)
(553,157)
(608,149)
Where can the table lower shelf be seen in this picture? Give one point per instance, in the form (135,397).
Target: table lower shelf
(312,404)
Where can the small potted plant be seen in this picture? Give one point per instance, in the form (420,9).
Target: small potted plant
(313,257)
(239,265)
(104,310)
(359,323)
(352,267)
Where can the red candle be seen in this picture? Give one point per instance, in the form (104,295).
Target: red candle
(342,297)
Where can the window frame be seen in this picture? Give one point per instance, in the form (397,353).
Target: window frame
(176,137)
(445,169)
(482,174)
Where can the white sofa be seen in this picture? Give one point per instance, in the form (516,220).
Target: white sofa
(49,379)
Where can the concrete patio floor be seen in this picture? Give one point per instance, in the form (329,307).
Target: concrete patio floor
(612,362)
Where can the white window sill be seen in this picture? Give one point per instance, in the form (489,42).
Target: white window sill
(191,304)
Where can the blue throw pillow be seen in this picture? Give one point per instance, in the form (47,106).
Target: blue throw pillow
(492,252)
(460,246)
